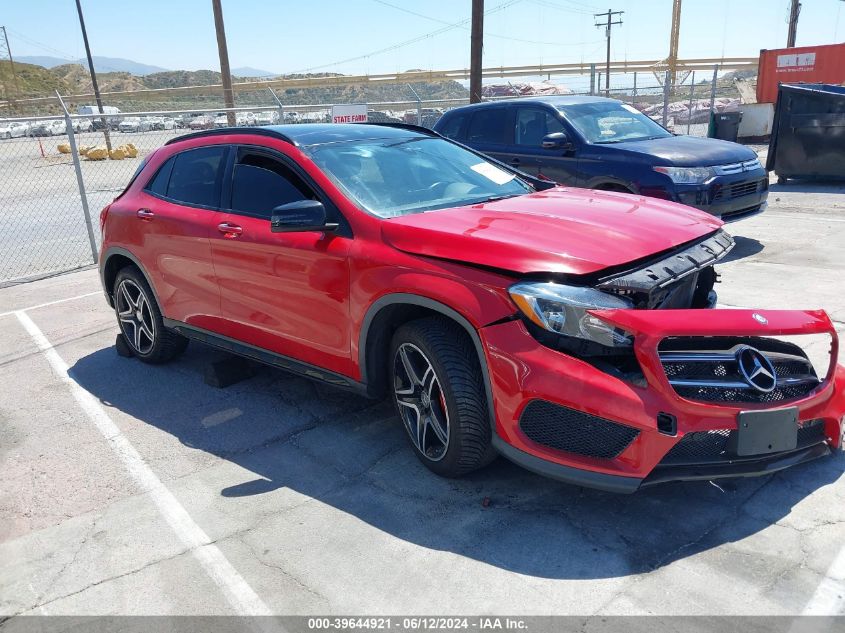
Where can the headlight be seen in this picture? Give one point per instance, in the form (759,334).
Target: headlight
(687,175)
(563,310)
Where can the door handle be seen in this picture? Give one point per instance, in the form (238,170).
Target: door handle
(229,230)
(145,214)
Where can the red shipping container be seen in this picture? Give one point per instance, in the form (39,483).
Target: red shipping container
(803,64)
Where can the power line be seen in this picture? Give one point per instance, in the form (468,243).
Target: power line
(414,40)
(608,26)
(486,33)
(586,10)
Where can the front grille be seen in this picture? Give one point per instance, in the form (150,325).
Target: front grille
(708,369)
(707,447)
(744,188)
(718,394)
(737,190)
(574,431)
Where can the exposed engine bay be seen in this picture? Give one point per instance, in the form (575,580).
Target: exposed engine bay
(684,279)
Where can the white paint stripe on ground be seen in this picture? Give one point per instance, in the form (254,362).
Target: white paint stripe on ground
(240,595)
(829,596)
(49,303)
(803,217)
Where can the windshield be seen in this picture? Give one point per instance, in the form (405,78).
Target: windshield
(611,122)
(396,177)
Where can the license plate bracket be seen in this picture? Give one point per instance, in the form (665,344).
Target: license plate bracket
(763,432)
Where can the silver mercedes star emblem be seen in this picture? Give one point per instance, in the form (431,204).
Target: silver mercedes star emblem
(756,369)
(760,318)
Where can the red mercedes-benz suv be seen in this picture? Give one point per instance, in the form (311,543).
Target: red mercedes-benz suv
(571,331)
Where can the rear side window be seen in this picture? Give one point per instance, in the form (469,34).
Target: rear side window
(196,176)
(261,183)
(452,127)
(158,185)
(488,125)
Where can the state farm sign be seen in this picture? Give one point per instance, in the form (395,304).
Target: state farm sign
(349,113)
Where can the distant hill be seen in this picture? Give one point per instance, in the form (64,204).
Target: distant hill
(71,78)
(101,64)
(249,71)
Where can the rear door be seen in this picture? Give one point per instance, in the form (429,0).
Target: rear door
(531,124)
(489,130)
(175,214)
(285,292)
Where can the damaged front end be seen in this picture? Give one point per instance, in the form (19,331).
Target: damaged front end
(683,279)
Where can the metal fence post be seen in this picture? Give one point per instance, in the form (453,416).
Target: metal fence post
(634,93)
(666,89)
(691,95)
(713,87)
(419,105)
(592,79)
(77,166)
(280,104)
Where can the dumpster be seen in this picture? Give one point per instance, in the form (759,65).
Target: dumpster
(808,133)
(724,125)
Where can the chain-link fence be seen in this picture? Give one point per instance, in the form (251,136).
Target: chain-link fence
(58,172)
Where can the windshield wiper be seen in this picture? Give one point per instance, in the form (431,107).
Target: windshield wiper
(494,198)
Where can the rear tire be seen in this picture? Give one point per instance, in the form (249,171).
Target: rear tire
(140,321)
(438,391)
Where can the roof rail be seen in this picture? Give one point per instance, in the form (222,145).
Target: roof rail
(261,131)
(405,126)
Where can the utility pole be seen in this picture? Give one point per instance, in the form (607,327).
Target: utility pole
(6,53)
(476,47)
(674,36)
(222,49)
(608,25)
(794,12)
(93,76)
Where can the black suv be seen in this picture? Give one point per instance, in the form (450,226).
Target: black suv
(603,143)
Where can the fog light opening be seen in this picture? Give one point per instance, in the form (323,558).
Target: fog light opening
(667,423)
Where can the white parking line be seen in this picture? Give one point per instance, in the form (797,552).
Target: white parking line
(50,303)
(829,596)
(803,217)
(239,594)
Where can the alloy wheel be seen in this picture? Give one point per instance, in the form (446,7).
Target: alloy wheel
(422,404)
(135,316)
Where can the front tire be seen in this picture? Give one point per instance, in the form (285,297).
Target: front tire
(140,321)
(438,391)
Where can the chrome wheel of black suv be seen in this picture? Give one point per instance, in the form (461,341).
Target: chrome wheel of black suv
(439,395)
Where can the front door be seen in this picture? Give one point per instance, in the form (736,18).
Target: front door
(531,124)
(285,292)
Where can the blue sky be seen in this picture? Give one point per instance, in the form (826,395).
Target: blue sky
(290,36)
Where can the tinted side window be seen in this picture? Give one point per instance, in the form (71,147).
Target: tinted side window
(197,175)
(158,185)
(261,183)
(452,127)
(532,124)
(488,126)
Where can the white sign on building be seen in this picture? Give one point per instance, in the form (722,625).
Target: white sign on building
(349,113)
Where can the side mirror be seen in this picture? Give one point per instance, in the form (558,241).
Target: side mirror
(300,216)
(557,140)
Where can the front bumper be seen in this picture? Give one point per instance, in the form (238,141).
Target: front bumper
(522,371)
(728,197)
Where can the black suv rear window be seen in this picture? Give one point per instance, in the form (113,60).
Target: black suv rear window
(451,127)
(488,126)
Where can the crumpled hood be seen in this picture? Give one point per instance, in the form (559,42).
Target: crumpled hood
(690,151)
(561,230)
